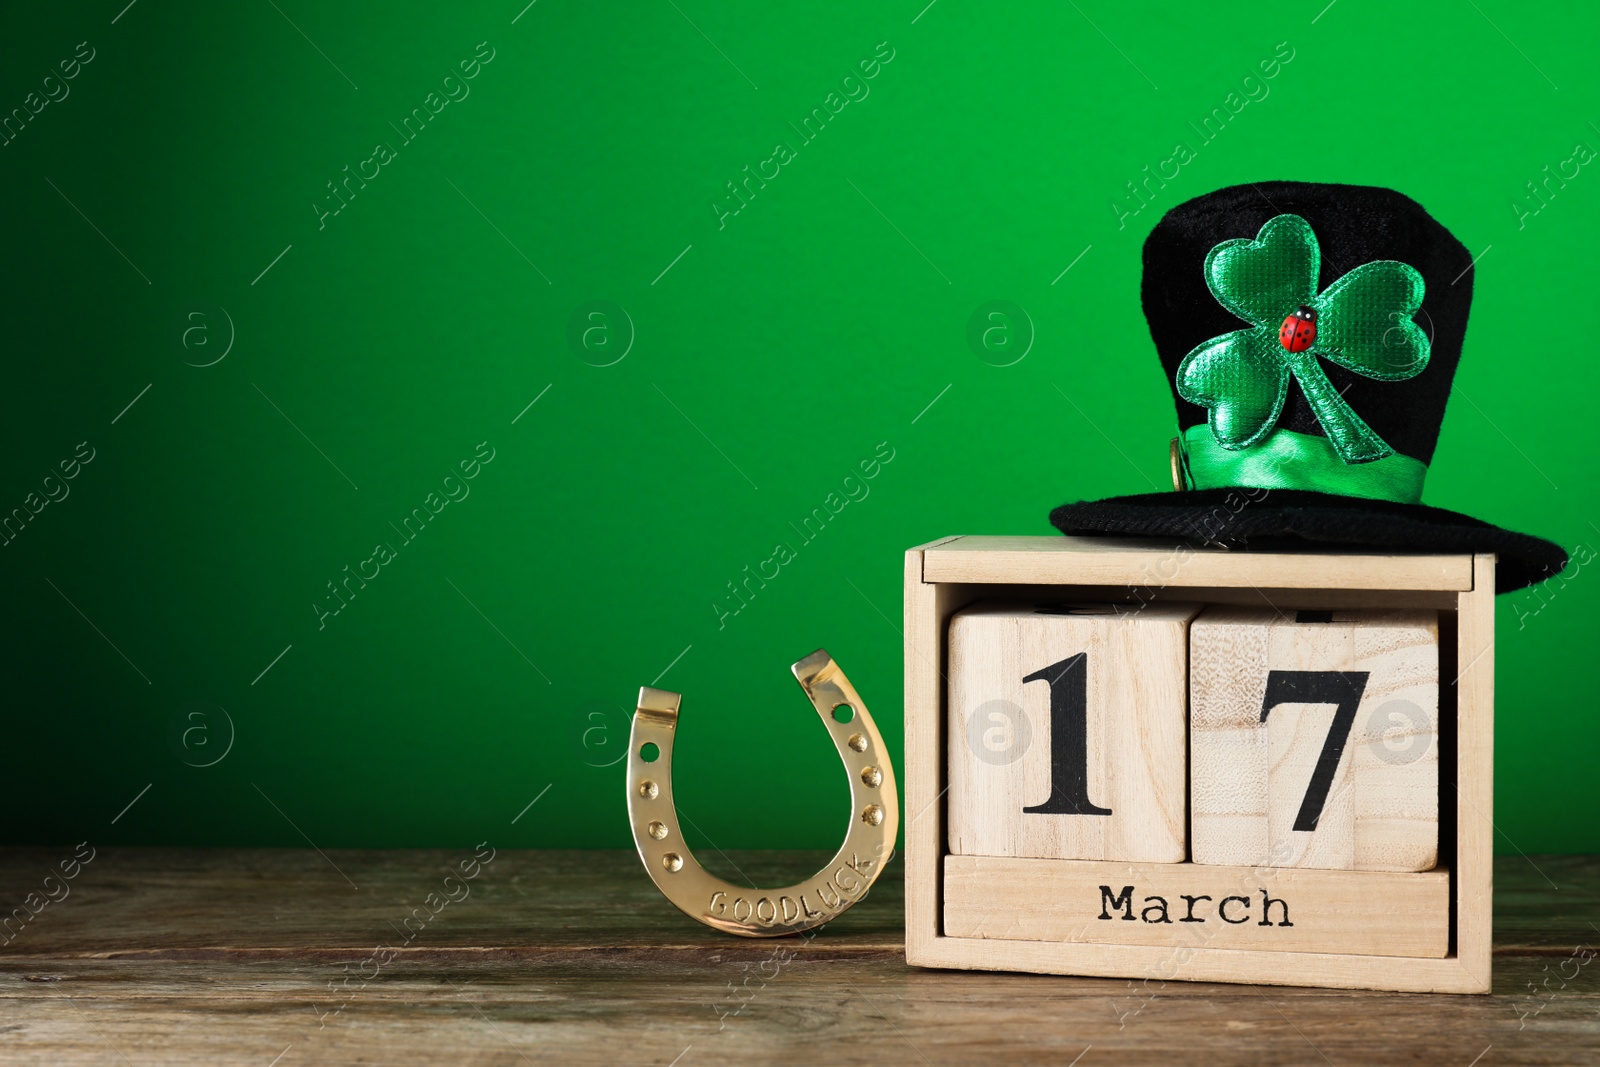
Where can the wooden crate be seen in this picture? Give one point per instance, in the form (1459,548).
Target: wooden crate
(946,575)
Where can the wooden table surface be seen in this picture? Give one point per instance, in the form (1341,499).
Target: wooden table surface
(286,957)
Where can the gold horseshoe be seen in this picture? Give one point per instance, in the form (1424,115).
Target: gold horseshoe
(868,844)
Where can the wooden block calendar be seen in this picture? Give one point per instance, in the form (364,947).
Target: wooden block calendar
(1394,894)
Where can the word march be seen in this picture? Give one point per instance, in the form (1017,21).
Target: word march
(1157,906)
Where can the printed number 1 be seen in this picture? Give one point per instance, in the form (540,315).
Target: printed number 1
(1069,738)
(1342,689)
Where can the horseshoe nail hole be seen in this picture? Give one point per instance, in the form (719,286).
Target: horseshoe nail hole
(657,830)
(858,742)
(872,776)
(872,815)
(649,790)
(843,713)
(672,862)
(649,752)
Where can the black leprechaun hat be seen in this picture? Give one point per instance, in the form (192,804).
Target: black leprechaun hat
(1311,333)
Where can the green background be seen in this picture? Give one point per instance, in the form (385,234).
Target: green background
(499,653)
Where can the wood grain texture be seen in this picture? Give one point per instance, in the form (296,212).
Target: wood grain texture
(1189,905)
(1000,730)
(1473,666)
(1054,560)
(162,956)
(1250,774)
(927,607)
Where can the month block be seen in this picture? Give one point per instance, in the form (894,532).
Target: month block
(1193,905)
(1313,738)
(1066,731)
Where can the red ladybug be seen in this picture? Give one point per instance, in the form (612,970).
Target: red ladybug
(1299,330)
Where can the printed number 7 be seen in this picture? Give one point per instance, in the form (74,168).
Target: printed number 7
(1343,689)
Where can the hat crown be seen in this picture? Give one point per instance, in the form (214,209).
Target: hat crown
(1354,225)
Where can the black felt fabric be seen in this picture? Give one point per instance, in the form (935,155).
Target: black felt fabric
(1278,518)
(1354,225)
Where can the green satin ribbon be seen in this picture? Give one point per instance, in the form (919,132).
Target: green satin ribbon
(1289,460)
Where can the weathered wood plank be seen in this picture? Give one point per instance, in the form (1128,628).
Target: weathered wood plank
(720,1011)
(131,900)
(226,956)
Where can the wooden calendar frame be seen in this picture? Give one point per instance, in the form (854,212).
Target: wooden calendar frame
(946,575)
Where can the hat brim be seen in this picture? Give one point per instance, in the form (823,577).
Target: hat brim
(1252,517)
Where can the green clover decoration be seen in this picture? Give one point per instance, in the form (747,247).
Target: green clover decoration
(1363,324)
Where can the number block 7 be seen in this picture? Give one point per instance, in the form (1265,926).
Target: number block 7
(1314,739)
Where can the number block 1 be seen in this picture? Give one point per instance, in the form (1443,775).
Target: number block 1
(1314,738)
(1066,734)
